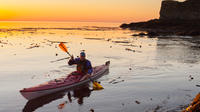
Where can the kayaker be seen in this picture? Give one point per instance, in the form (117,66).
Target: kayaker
(84,66)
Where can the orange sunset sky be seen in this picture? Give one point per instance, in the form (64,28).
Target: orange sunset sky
(79,10)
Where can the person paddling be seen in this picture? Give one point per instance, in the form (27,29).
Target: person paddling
(84,66)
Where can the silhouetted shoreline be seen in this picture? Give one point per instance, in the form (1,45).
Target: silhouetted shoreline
(162,27)
(176,18)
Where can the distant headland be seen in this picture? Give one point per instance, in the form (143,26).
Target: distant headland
(176,18)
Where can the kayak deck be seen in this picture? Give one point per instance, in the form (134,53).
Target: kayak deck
(62,83)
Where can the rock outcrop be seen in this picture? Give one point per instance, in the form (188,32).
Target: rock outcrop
(176,18)
(174,10)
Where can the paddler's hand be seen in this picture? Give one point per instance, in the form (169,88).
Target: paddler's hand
(72,57)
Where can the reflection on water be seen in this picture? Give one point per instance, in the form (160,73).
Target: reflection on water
(178,49)
(73,94)
(158,72)
(79,94)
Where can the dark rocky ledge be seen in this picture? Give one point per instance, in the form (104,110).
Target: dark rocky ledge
(176,18)
(162,27)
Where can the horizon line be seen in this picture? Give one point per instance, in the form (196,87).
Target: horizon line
(61,21)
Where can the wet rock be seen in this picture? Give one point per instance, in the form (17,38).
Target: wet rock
(157,108)
(124,26)
(142,34)
(108,39)
(152,34)
(158,27)
(112,81)
(188,33)
(117,82)
(137,102)
(175,10)
(194,33)
(56,41)
(31,47)
(195,47)
(197,85)
(95,38)
(128,49)
(191,78)
(91,110)
(126,42)
(130,45)
(135,35)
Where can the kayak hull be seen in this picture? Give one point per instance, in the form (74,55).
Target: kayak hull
(46,89)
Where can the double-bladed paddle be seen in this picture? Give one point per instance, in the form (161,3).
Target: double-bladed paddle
(96,85)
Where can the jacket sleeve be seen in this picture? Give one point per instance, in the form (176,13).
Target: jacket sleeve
(89,66)
(73,61)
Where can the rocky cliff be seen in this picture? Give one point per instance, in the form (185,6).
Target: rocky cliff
(188,10)
(176,18)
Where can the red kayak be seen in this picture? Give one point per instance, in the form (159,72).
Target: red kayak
(57,85)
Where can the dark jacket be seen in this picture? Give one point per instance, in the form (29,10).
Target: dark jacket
(85,65)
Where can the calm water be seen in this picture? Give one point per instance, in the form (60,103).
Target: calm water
(146,74)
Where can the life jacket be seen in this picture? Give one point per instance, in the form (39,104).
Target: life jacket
(82,67)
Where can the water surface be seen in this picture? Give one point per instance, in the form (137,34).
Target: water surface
(146,74)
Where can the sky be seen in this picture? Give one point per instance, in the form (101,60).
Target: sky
(79,10)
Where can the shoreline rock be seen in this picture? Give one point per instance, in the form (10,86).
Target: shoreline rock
(166,27)
(176,18)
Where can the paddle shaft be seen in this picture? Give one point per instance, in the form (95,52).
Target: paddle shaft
(69,54)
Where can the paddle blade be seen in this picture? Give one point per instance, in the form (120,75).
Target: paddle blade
(63,47)
(97,86)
